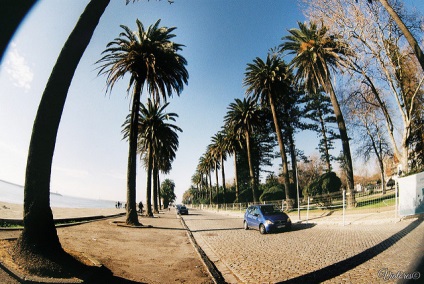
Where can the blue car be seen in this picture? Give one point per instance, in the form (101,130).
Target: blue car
(266,219)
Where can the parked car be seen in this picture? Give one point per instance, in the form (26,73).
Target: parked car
(266,219)
(182,210)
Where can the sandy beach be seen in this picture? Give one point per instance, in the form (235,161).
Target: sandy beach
(160,254)
(15,211)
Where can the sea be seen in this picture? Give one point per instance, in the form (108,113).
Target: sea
(13,193)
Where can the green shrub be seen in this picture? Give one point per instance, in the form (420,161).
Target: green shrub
(272,193)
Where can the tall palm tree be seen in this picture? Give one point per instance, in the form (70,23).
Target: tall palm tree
(152,60)
(203,168)
(316,54)
(164,165)
(38,240)
(157,139)
(218,140)
(213,152)
(266,81)
(233,145)
(243,116)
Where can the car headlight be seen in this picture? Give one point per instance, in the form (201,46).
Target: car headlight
(269,222)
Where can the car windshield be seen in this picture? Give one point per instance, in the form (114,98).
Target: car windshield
(269,210)
(183,207)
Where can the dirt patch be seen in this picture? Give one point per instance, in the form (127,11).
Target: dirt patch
(161,253)
(7,260)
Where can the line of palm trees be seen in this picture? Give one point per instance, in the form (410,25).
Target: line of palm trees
(316,54)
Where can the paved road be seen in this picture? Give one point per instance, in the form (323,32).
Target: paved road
(314,253)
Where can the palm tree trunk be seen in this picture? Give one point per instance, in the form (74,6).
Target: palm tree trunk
(217,184)
(159,199)
(283,154)
(39,236)
(236,176)
(155,189)
(251,173)
(345,146)
(210,187)
(409,37)
(223,178)
(149,183)
(131,217)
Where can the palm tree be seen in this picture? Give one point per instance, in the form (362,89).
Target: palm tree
(266,81)
(204,168)
(151,59)
(38,245)
(316,54)
(232,144)
(243,116)
(213,152)
(164,165)
(157,140)
(218,140)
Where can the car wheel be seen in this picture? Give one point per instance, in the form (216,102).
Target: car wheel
(246,227)
(262,229)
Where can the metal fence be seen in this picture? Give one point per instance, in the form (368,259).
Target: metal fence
(371,200)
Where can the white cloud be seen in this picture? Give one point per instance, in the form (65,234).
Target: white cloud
(18,70)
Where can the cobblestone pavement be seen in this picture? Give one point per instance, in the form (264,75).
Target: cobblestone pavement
(311,253)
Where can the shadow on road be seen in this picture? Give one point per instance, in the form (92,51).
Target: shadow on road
(299,227)
(343,266)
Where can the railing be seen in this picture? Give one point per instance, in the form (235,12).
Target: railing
(370,201)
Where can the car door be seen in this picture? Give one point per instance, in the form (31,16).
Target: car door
(249,216)
(255,217)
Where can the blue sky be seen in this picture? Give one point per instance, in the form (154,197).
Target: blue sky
(221,37)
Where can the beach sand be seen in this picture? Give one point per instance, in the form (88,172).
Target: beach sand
(15,211)
(161,254)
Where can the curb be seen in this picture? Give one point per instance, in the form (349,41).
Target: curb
(210,266)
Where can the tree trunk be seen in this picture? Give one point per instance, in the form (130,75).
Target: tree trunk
(39,235)
(286,176)
(217,185)
(409,37)
(251,173)
(325,141)
(345,146)
(383,178)
(293,158)
(149,183)
(131,217)
(159,194)
(223,179)
(155,190)
(236,176)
